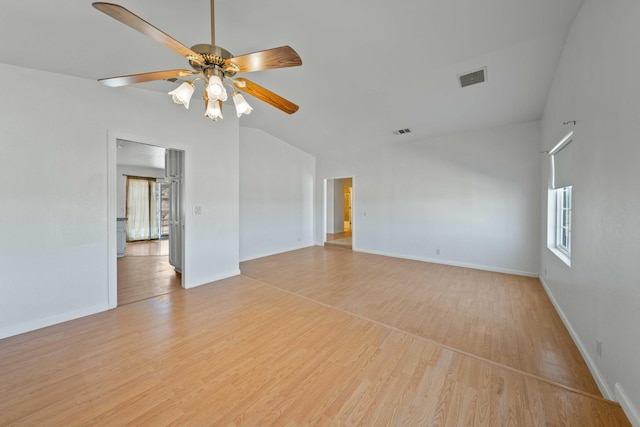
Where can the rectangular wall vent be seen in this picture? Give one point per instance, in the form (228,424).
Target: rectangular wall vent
(473,77)
(401,131)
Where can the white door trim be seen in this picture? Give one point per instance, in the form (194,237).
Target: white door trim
(112,206)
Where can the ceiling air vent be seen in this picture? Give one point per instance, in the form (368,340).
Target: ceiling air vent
(401,131)
(473,77)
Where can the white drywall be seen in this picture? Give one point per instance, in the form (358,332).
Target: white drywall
(330,198)
(335,205)
(55,133)
(276,195)
(474,196)
(338,206)
(596,84)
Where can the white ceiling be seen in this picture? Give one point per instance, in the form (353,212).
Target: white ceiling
(137,154)
(369,66)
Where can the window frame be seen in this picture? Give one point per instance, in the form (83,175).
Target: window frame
(557,210)
(563,220)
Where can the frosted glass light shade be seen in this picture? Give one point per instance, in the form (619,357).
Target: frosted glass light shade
(213,110)
(242,106)
(182,94)
(215,89)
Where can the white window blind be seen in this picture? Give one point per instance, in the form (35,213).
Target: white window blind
(562,163)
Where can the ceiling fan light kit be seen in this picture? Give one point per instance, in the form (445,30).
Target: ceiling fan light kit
(242,106)
(215,89)
(213,109)
(183,93)
(215,66)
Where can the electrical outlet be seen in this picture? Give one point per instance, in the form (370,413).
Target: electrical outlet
(599,348)
(437,251)
(545,272)
(197,210)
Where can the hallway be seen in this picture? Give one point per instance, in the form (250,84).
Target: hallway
(145,272)
(340,240)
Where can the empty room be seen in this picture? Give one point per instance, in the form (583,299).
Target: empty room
(338,213)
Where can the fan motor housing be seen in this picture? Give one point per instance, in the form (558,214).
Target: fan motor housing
(214,57)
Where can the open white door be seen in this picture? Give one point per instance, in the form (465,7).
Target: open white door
(174,172)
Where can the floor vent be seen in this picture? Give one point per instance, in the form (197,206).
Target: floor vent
(473,77)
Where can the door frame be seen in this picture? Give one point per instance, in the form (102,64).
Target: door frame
(353,208)
(112,206)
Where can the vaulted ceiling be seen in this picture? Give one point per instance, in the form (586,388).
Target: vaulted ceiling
(369,66)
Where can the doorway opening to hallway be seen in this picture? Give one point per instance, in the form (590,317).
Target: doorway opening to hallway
(338,215)
(150,230)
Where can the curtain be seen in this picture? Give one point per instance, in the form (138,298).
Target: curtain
(153,210)
(137,209)
(142,209)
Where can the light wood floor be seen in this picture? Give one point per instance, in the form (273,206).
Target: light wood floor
(503,318)
(316,336)
(144,272)
(339,240)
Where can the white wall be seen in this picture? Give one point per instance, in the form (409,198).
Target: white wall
(331,200)
(599,295)
(121,171)
(55,133)
(335,206)
(338,205)
(472,195)
(276,195)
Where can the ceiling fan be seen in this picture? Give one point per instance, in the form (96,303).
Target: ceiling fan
(212,64)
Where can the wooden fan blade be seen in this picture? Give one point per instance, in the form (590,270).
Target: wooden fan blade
(266,95)
(129,18)
(145,77)
(279,57)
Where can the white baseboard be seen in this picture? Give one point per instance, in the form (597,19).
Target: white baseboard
(452,263)
(50,321)
(266,254)
(33,325)
(629,408)
(602,384)
(226,275)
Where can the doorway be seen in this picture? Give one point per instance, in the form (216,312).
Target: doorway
(338,215)
(149,208)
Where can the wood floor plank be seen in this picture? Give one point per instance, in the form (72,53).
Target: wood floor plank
(246,353)
(505,318)
(144,272)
